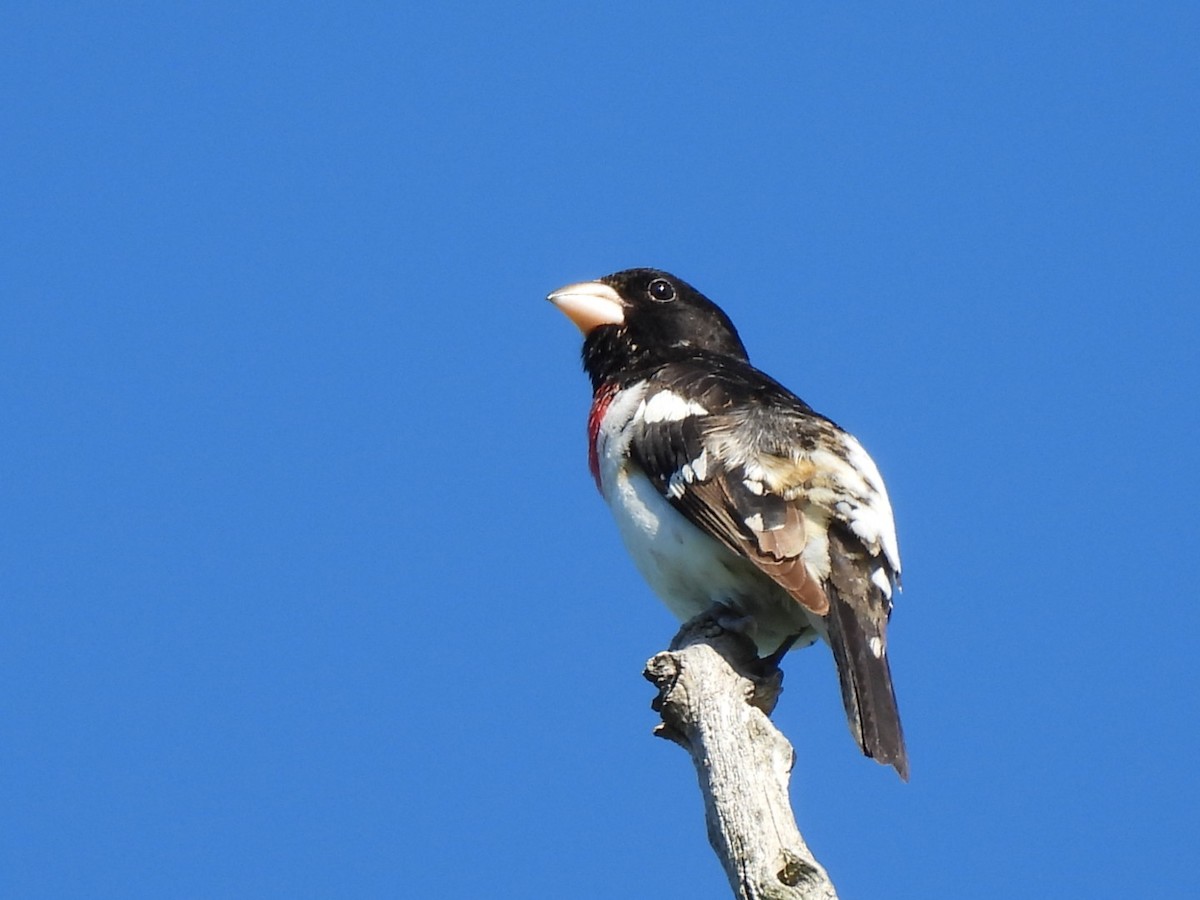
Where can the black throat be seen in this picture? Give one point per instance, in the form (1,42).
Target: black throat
(610,356)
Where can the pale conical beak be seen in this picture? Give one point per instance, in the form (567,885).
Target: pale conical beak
(589,304)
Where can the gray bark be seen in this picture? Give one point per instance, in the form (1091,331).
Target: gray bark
(715,703)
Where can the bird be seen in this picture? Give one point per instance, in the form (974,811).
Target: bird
(727,488)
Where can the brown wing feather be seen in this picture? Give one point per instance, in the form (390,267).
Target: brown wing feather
(731,516)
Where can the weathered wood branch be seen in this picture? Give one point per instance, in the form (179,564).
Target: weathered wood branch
(714,703)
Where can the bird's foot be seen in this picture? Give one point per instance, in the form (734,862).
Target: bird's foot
(771,663)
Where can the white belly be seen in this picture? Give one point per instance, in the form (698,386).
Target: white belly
(691,571)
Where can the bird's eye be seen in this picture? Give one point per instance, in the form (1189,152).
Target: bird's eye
(662,290)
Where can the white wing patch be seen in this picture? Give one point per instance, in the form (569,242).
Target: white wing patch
(689,473)
(880,579)
(667,406)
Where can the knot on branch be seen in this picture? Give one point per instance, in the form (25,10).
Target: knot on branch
(724,633)
(796,870)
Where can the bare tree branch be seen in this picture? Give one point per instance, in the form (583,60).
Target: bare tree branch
(715,705)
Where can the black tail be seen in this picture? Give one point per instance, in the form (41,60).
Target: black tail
(858,615)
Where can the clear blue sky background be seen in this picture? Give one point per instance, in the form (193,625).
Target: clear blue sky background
(306,589)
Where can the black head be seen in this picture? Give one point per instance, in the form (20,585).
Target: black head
(641,317)
(668,313)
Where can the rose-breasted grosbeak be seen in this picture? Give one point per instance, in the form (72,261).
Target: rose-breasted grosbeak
(728,488)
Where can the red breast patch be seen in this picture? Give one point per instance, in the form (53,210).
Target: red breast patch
(600,404)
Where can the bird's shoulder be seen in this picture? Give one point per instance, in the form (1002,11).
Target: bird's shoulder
(738,413)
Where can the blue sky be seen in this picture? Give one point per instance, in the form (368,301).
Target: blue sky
(307,590)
